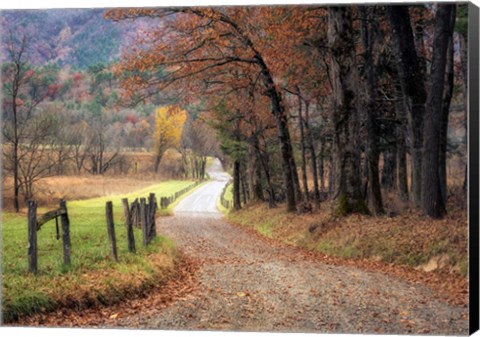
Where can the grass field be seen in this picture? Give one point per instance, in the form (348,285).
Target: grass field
(92,277)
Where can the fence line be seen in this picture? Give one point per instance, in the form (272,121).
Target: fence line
(228,204)
(141,213)
(167,201)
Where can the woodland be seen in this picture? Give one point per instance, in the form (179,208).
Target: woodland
(353,100)
(313,103)
(303,103)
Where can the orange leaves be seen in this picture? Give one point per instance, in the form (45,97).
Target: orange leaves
(210,51)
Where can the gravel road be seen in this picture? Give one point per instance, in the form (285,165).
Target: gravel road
(248,284)
(203,201)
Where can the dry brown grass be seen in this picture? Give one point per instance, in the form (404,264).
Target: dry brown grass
(49,190)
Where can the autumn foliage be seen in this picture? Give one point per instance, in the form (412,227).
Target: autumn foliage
(169,122)
(331,79)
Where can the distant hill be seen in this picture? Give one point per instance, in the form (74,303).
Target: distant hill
(76,37)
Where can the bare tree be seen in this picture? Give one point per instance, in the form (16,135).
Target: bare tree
(35,155)
(78,139)
(102,153)
(24,88)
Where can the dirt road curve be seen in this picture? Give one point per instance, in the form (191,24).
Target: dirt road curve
(246,284)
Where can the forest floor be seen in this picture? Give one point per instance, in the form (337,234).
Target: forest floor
(237,279)
(407,239)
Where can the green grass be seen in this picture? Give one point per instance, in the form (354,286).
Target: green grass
(169,210)
(24,293)
(228,196)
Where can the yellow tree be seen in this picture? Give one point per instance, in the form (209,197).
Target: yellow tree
(169,121)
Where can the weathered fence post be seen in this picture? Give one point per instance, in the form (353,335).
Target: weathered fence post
(67,246)
(143,220)
(111,230)
(152,229)
(32,237)
(135,211)
(128,224)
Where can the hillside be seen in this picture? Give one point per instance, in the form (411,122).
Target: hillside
(74,37)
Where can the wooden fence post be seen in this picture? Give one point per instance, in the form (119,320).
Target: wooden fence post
(32,237)
(128,224)
(67,246)
(152,230)
(143,220)
(136,214)
(148,222)
(111,231)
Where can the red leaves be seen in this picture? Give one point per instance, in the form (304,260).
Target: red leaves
(53,89)
(29,73)
(77,77)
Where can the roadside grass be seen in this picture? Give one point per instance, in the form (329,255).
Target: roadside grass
(408,239)
(169,210)
(92,278)
(227,196)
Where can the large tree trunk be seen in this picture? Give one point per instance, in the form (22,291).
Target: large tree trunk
(236,185)
(419,32)
(255,168)
(331,175)
(372,133)
(413,86)
(449,77)
(244,188)
(432,201)
(302,147)
(321,166)
(290,176)
(313,156)
(389,168)
(401,133)
(344,79)
(257,185)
